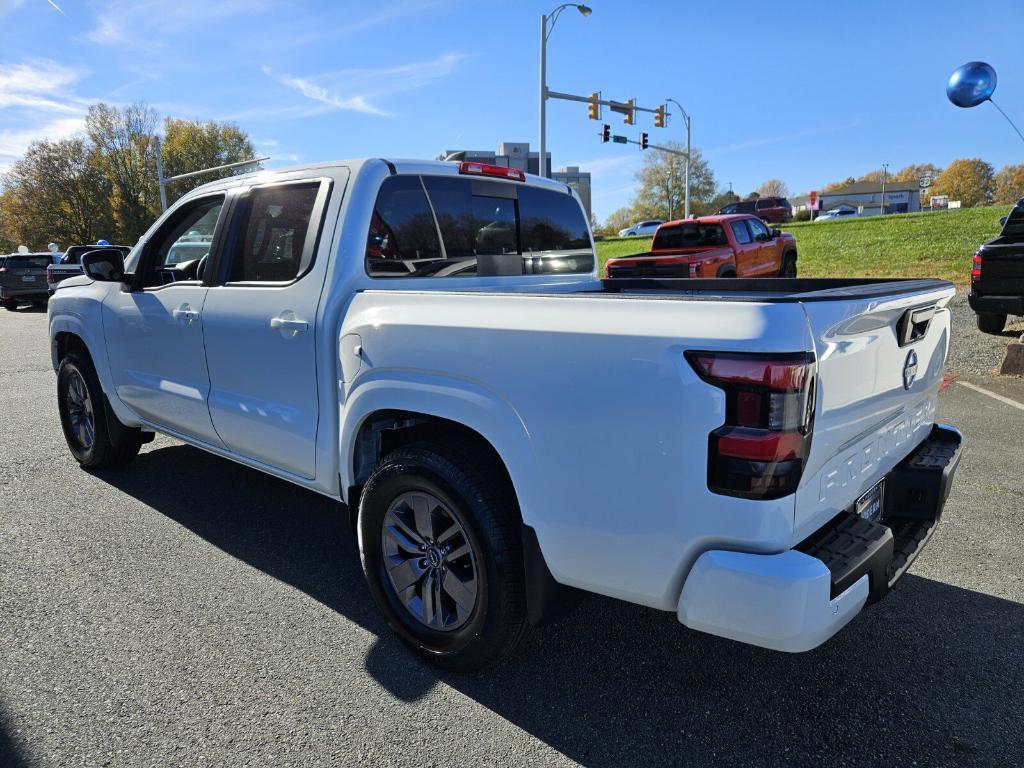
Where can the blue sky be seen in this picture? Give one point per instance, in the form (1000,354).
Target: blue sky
(806,93)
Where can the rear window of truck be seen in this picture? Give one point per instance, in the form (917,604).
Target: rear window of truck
(690,236)
(443,226)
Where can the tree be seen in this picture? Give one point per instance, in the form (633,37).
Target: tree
(971,181)
(616,220)
(753,195)
(722,199)
(773,188)
(124,139)
(662,183)
(57,192)
(191,145)
(1009,184)
(839,184)
(915,171)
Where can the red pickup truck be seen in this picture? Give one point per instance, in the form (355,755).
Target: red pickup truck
(712,246)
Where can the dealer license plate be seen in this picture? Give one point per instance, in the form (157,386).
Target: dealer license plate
(870,504)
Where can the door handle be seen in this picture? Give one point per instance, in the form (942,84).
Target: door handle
(289,325)
(185,314)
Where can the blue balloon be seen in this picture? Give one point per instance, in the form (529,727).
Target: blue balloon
(971,84)
(102,242)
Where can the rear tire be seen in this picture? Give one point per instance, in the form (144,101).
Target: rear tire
(788,266)
(988,323)
(86,418)
(9,304)
(463,603)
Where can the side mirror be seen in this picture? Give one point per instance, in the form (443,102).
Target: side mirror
(1002,221)
(776,233)
(105,265)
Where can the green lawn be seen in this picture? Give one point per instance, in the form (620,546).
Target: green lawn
(933,244)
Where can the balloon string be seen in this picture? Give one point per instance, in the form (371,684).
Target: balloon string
(1008,120)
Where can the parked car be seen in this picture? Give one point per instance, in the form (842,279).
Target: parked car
(837,214)
(69,264)
(641,228)
(773,210)
(776,463)
(712,246)
(997,275)
(23,279)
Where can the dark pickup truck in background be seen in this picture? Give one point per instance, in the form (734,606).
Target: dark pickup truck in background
(997,275)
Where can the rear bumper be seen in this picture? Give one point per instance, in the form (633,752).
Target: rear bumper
(796,600)
(996,305)
(33,292)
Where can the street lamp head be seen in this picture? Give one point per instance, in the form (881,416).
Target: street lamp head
(584,10)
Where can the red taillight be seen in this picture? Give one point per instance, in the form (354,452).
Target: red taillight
(976,269)
(759,451)
(498,171)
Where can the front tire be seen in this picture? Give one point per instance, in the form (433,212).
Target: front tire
(9,304)
(440,547)
(85,417)
(788,266)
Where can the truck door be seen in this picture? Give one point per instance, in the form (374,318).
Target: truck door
(764,261)
(746,249)
(260,325)
(155,331)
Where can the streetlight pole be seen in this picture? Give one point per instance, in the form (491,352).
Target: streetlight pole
(885,170)
(545,33)
(686,118)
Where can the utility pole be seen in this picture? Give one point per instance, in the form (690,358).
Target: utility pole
(686,118)
(545,32)
(885,170)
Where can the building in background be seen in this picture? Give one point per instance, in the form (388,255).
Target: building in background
(865,197)
(517,154)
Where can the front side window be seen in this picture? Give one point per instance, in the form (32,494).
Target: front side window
(178,248)
(759,230)
(765,203)
(273,247)
(740,232)
(457,227)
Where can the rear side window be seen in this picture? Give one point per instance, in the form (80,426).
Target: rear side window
(766,202)
(438,226)
(740,232)
(274,246)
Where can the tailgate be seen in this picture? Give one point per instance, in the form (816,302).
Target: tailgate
(880,362)
(1002,271)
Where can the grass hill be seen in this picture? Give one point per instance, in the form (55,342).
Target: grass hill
(930,244)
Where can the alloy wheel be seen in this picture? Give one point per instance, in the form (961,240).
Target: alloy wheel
(80,411)
(430,561)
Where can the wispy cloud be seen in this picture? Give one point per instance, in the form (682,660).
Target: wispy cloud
(145,23)
(356,89)
(755,143)
(38,102)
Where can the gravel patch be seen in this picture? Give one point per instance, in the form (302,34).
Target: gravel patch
(973,352)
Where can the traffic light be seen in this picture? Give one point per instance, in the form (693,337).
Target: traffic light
(606,133)
(643,141)
(659,117)
(630,117)
(593,108)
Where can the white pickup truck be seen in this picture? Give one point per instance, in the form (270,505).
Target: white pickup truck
(429,343)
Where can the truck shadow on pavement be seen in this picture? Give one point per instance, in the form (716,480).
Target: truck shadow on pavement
(932,674)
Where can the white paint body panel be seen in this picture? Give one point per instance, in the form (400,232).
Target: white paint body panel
(600,421)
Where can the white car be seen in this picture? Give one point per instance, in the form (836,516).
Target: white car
(641,228)
(837,214)
(760,461)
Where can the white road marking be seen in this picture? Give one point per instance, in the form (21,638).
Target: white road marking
(993,395)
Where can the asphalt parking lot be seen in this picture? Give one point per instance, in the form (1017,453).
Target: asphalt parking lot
(188,611)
